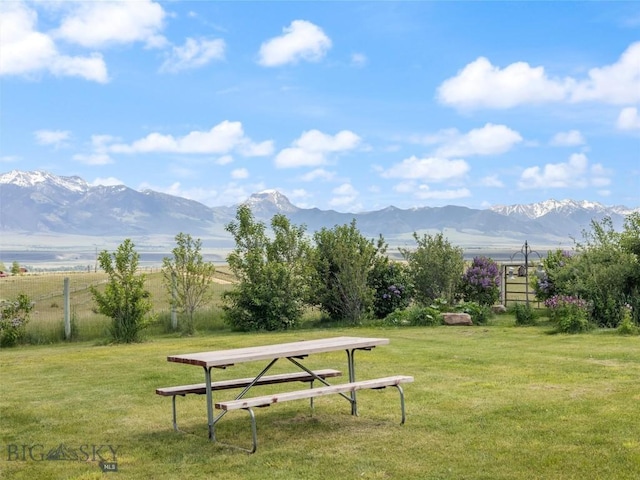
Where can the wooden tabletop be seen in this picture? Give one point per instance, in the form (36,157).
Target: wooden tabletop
(221,358)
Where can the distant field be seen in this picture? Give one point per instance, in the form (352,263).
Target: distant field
(44,252)
(46,290)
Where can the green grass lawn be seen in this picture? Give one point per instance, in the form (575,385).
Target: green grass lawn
(488,402)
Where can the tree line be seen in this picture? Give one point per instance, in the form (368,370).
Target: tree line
(350,279)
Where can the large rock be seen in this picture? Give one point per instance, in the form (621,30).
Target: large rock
(499,309)
(457,319)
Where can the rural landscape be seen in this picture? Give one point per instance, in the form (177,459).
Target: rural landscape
(546,385)
(319,240)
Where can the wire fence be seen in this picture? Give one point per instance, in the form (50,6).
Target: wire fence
(47,292)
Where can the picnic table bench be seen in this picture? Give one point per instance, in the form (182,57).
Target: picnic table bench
(201,388)
(294,352)
(267,400)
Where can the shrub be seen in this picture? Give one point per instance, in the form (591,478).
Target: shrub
(626,326)
(481,282)
(343,259)
(272,273)
(14,316)
(415,316)
(435,268)
(525,315)
(391,285)
(480,314)
(424,316)
(570,313)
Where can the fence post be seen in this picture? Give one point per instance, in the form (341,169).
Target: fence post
(174,313)
(67,313)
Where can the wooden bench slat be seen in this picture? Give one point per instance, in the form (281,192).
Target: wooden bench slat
(200,388)
(265,400)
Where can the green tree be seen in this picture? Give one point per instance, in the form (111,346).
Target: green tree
(435,268)
(124,300)
(343,260)
(187,278)
(272,273)
(604,272)
(15,268)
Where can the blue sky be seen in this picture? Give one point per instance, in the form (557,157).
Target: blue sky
(351,106)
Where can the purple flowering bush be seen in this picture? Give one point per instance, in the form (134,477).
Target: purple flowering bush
(557,273)
(569,312)
(481,282)
(392,289)
(14,316)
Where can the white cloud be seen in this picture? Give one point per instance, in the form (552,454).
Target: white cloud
(616,84)
(98,24)
(302,40)
(195,53)
(25,51)
(629,119)
(95,158)
(575,173)
(221,139)
(298,157)
(491,181)
(52,137)
(240,173)
(425,193)
(313,147)
(345,197)
(358,59)
(250,149)
(318,174)
(488,140)
(483,85)
(422,191)
(107,182)
(316,141)
(571,138)
(224,160)
(430,169)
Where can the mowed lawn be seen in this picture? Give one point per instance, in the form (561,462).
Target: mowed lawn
(488,402)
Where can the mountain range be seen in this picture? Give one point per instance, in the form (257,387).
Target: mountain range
(39,203)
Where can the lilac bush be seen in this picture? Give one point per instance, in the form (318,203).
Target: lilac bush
(392,290)
(570,312)
(481,282)
(555,267)
(14,316)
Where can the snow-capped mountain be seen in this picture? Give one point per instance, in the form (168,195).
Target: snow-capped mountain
(269,203)
(39,202)
(41,179)
(565,207)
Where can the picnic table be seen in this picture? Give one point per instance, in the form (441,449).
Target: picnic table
(295,353)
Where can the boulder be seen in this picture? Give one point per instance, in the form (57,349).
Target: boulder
(499,309)
(457,319)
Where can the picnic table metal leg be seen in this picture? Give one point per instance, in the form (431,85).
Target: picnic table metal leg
(210,419)
(352,378)
(175,416)
(401,403)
